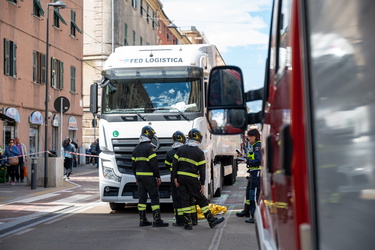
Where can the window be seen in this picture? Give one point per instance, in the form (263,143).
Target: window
(154,23)
(73,24)
(57,18)
(37,9)
(72,79)
(283,48)
(126,35)
(57,74)
(39,67)
(10,56)
(133,37)
(135,4)
(142,8)
(140,40)
(14,1)
(147,13)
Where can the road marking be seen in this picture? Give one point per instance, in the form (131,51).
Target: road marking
(36,198)
(219,232)
(72,199)
(24,231)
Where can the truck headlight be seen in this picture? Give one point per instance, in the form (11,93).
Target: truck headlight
(109,174)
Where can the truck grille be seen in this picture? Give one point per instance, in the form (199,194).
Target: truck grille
(123,149)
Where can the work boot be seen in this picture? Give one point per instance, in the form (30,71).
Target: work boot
(245,212)
(143,222)
(157,221)
(251,220)
(194,218)
(213,221)
(188,225)
(179,221)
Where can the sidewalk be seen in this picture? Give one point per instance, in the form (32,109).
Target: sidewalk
(9,193)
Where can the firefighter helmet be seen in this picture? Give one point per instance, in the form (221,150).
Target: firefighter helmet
(148,132)
(195,135)
(178,136)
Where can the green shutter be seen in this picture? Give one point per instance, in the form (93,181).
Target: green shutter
(6,57)
(61,77)
(40,7)
(72,79)
(43,69)
(53,72)
(14,62)
(57,13)
(35,67)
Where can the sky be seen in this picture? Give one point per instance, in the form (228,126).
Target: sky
(238,28)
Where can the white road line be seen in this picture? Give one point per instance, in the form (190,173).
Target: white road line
(72,199)
(31,199)
(24,231)
(219,232)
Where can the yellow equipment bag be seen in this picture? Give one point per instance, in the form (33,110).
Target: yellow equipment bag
(215,209)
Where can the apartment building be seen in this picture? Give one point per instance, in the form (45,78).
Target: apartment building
(26,71)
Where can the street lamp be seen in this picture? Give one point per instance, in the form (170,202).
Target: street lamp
(59,5)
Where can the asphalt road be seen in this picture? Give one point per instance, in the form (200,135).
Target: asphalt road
(75,218)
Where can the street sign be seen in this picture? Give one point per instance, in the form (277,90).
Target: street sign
(65,104)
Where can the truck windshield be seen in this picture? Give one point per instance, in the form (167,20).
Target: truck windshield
(137,94)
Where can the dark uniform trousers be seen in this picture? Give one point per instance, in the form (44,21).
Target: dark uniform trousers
(189,193)
(254,188)
(147,184)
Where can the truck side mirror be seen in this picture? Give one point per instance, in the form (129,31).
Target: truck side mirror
(94,98)
(226,106)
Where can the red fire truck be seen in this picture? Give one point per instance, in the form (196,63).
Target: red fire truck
(317,123)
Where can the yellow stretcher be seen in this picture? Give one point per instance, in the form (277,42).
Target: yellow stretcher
(215,209)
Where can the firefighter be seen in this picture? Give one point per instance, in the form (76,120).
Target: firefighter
(189,163)
(253,161)
(146,171)
(178,139)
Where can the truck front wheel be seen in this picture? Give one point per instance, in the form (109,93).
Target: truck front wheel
(117,206)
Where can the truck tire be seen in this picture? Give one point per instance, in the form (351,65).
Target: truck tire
(117,206)
(218,191)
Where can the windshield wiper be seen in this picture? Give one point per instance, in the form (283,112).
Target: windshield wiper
(141,116)
(179,111)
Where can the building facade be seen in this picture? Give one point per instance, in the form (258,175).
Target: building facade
(110,24)
(24,74)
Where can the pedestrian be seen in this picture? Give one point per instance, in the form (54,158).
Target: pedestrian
(11,151)
(98,151)
(68,149)
(22,159)
(189,163)
(75,145)
(178,139)
(146,171)
(93,149)
(253,161)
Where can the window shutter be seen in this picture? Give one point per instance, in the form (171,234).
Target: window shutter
(53,72)
(6,57)
(14,62)
(61,75)
(35,68)
(43,69)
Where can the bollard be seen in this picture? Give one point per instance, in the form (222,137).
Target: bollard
(33,173)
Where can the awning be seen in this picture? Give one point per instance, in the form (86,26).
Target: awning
(57,13)
(37,2)
(76,26)
(6,118)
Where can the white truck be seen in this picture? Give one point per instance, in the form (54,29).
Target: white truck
(164,87)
